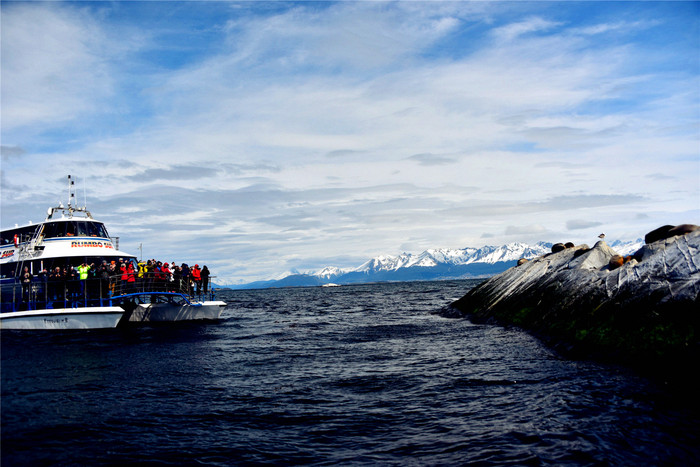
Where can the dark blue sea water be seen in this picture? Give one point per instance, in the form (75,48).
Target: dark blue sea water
(357,375)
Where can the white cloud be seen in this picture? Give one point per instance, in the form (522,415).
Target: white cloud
(348,129)
(578,224)
(53,68)
(516,30)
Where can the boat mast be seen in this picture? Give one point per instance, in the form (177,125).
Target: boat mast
(27,250)
(72,201)
(71,195)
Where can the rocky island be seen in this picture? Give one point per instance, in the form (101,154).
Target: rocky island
(641,311)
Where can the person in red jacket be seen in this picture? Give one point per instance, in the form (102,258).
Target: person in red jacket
(167,276)
(125,277)
(159,278)
(130,277)
(197,278)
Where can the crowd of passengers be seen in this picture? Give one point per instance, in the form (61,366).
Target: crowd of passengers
(116,278)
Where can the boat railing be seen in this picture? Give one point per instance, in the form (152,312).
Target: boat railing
(43,293)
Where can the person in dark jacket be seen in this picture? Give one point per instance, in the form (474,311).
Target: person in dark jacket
(103,274)
(26,279)
(186,278)
(205,278)
(72,282)
(57,285)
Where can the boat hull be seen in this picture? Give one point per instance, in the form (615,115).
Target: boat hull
(167,312)
(63,318)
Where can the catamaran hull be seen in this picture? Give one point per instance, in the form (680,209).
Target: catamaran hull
(166,312)
(63,318)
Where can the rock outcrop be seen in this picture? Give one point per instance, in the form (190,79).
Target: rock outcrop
(591,303)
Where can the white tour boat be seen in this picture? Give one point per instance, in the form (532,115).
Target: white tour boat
(164,307)
(36,292)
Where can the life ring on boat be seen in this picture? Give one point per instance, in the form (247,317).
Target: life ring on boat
(16,240)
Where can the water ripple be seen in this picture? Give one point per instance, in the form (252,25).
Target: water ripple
(358,375)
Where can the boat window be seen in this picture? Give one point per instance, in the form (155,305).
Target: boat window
(89,229)
(7,238)
(95,229)
(54,229)
(8,270)
(24,234)
(92,229)
(75,228)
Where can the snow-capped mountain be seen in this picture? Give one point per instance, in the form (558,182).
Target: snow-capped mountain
(330,272)
(627,248)
(432,264)
(444,256)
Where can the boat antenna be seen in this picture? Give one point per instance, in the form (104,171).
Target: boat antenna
(84,195)
(71,192)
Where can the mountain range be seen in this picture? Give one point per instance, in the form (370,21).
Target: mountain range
(432,264)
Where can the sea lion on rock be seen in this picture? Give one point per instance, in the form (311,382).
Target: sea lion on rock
(638,255)
(643,315)
(569,245)
(682,229)
(657,234)
(615,262)
(557,247)
(668,231)
(522,261)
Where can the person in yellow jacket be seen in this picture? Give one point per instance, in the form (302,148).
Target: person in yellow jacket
(140,283)
(83,270)
(142,269)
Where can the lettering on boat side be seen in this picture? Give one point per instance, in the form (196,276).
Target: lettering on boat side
(6,254)
(92,244)
(56,320)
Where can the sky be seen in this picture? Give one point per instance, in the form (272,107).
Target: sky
(263,137)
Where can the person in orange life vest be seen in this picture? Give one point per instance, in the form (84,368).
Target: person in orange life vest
(197,278)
